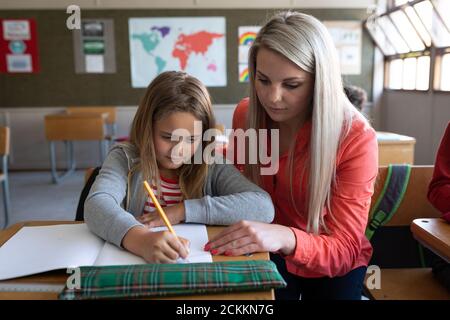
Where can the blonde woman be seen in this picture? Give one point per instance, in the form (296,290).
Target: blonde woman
(163,142)
(327,164)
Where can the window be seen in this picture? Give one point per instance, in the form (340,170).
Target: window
(396,39)
(400,2)
(443,9)
(380,37)
(423,73)
(409,34)
(409,73)
(395,74)
(433,23)
(443,73)
(406,28)
(418,25)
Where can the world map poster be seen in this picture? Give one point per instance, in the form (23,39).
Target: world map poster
(194,45)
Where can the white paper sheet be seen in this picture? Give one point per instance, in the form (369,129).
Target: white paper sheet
(198,236)
(94,63)
(39,249)
(110,255)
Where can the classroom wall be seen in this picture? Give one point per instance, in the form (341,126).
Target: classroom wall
(26,98)
(186,4)
(422,115)
(57,84)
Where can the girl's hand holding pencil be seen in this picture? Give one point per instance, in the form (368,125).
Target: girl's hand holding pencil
(156,247)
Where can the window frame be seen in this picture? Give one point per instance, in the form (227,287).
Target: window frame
(404,56)
(435,53)
(440,52)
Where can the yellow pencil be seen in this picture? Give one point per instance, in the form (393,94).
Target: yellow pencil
(159,209)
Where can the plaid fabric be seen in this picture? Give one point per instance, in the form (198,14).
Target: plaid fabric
(134,281)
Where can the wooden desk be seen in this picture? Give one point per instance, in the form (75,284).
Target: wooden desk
(70,127)
(110,121)
(433,234)
(395,148)
(60,277)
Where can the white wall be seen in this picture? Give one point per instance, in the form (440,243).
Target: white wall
(30,150)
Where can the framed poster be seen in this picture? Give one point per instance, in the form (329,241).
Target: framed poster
(18,46)
(347,36)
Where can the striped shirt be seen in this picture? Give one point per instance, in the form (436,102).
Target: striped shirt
(171,195)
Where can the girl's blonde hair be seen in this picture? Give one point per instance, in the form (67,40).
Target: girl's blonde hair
(171,92)
(305,41)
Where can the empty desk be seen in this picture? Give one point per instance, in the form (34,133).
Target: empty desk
(72,127)
(111,119)
(395,148)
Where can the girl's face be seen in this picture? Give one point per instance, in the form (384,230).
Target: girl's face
(176,137)
(284,89)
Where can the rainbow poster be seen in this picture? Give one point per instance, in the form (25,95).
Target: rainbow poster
(243,73)
(246,37)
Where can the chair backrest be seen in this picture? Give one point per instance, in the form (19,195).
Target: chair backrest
(111,111)
(4,141)
(415,203)
(90,176)
(393,243)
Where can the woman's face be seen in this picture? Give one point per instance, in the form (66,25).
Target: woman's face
(284,89)
(176,137)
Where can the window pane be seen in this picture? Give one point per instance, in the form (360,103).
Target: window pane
(409,73)
(423,73)
(394,37)
(419,25)
(400,2)
(395,74)
(379,37)
(439,34)
(445,72)
(407,30)
(443,6)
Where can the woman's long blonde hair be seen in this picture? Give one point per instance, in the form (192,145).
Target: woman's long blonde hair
(305,41)
(171,92)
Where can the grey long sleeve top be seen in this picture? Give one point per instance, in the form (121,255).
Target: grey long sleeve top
(116,199)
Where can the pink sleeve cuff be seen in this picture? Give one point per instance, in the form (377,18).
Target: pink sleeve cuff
(302,251)
(446,216)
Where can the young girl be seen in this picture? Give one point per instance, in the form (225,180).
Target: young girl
(117,208)
(327,164)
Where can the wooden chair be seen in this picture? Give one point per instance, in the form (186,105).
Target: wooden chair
(4,153)
(68,128)
(87,174)
(408,283)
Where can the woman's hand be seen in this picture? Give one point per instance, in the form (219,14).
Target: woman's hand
(155,247)
(175,214)
(251,236)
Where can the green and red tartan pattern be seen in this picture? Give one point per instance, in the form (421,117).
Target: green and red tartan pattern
(151,280)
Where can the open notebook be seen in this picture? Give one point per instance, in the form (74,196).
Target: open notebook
(34,250)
